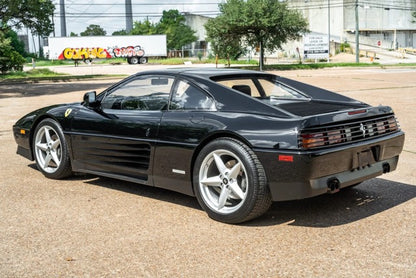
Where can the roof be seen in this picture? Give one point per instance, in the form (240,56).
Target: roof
(205,72)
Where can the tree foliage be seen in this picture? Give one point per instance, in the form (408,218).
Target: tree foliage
(143,28)
(119,33)
(94,30)
(172,23)
(267,24)
(15,42)
(224,43)
(10,59)
(178,34)
(33,14)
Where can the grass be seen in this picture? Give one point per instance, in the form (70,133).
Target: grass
(312,66)
(33,73)
(180,61)
(163,61)
(46,74)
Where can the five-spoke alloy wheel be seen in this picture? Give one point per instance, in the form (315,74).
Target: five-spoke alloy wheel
(50,150)
(229,182)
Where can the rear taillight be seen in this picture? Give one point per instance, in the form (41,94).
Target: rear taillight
(312,140)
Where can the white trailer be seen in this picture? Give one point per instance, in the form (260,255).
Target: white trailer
(136,49)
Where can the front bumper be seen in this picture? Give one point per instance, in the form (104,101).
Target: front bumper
(313,173)
(22,138)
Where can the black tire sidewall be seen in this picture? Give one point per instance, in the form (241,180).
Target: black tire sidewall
(64,168)
(252,174)
(143,60)
(134,60)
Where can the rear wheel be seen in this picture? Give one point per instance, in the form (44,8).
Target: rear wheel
(51,150)
(134,60)
(229,182)
(143,60)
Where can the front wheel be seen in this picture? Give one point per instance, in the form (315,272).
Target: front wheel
(51,150)
(229,182)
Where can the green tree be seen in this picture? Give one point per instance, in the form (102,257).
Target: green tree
(224,43)
(94,30)
(178,34)
(10,59)
(33,14)
(414,17)
(266,24)
(143,28)
(119,33)
(15,42)
(72,34)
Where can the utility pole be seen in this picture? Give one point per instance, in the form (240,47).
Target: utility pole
(129,17)
(329,29)
(63,20)
(357,34)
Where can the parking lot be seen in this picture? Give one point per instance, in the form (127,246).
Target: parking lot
(89,226)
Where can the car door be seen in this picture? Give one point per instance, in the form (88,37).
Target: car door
(117,140)
(182,127)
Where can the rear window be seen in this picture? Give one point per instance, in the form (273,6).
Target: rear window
(262,88)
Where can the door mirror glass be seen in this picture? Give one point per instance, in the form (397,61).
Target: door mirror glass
(90,99)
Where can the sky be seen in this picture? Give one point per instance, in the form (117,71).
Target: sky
(109,14)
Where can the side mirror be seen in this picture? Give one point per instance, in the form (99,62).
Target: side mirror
(90,99)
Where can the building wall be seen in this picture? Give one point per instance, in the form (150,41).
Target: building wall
(197,22)
(387,21)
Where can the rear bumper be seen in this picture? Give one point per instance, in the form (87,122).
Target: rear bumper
(313,173)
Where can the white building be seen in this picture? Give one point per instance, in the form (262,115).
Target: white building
(386,23)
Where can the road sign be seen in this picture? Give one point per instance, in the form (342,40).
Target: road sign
(315,47)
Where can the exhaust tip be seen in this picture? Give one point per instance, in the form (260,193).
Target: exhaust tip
(333,185)
(386,168)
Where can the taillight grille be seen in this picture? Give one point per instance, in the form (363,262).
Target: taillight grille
(358,130)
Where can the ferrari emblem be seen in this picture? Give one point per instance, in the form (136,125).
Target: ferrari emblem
(67,112)
(362,128)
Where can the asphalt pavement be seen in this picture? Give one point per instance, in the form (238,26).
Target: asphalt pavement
(88,226)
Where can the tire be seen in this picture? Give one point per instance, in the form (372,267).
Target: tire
(143,60)
(129,60)
(51,150)
(229,182)
(134,60)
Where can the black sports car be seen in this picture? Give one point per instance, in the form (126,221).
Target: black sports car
(235,139)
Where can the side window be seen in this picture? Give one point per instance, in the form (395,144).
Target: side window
(188,97)
(275,89)
(143,93)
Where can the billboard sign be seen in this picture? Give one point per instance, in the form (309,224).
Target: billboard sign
(315,46)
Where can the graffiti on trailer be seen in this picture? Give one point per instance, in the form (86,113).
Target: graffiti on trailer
(84,53)
(100,53)
(128,51)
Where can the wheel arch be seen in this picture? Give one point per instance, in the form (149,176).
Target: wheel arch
(208,140)
(36,122)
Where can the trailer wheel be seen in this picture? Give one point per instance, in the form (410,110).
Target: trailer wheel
(129,60)
(134,60)
(143,60)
